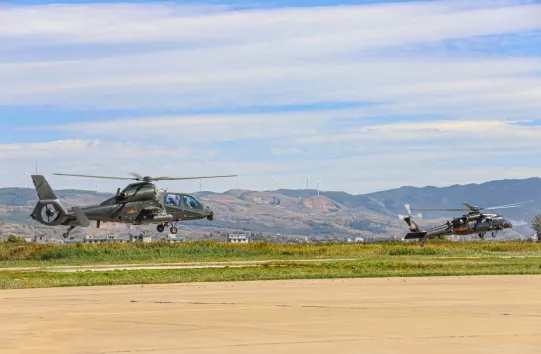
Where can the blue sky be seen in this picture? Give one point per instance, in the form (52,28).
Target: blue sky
(362,95)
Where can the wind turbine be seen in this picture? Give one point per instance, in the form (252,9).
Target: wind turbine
(273,182)
(24,177)
(200,185)
(195,187)
(318,182)
(307,182)
(237,182)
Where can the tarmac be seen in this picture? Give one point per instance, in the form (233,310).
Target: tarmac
(472,314)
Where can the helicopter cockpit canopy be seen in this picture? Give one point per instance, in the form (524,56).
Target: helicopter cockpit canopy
(181,200)
(505,222)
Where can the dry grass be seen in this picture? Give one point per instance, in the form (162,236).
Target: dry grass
(14,255)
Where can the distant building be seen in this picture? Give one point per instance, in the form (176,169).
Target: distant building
(174,238)
(44,239)
(354,239)
(238,238)
(100,239)
(144,237)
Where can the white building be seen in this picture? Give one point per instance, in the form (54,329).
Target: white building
(100,239)
(172,238)
(144,237)
(237,238)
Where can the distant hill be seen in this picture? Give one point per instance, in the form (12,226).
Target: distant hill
(493,193)
(302,213)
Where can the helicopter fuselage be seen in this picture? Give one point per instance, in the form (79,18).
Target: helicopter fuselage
(471,224)
(141,204)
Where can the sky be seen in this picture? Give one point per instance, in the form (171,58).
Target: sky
(359,95)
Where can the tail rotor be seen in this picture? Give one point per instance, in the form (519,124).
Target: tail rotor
(50,212)
(409,218)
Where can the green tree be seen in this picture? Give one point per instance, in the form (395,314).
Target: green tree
(536,225)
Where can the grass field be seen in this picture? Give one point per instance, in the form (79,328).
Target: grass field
(18,255)
(363,260)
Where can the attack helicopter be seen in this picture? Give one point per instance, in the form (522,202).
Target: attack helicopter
(139,203)
(474,222)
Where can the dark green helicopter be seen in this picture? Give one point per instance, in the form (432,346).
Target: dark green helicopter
(474,222)
(140,203)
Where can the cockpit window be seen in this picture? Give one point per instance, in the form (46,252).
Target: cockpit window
(190,202)
(172,199)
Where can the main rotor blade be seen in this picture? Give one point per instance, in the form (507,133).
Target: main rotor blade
(89,176)
(185,178)
(441,209)
(136,175)
(513,205)
(472,207)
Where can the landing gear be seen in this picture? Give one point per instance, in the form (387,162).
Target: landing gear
(494,233)
(67,233)
(422,242)
(173,229)
(482,235)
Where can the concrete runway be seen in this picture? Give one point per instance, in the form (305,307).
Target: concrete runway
(476,314)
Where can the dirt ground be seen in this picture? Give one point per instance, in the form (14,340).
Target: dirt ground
(476,314)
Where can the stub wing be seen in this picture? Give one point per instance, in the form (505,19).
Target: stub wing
(415,235)
(82,219)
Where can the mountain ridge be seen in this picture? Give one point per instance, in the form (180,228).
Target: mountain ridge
(304,213)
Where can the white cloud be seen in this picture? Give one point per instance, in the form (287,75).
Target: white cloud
(221,57)
(262,56)
(96,149)
(481,131)
(282,151)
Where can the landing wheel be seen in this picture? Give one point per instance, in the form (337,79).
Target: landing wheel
(422,243)
(160,228)
(481,236)
(65,234)
(173,229)
(494,234)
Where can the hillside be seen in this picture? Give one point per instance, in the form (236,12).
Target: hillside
(302,213)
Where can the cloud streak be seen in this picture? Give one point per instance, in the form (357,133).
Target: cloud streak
(388,69)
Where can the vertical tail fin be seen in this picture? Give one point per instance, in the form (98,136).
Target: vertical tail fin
(48,210)
(43,189)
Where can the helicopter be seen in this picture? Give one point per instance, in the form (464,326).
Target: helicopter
(139,203)
(474,222)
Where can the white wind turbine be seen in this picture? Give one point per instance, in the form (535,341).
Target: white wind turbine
(274,179)
(195,187)
(24,177)
(307,182)
(318,182)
